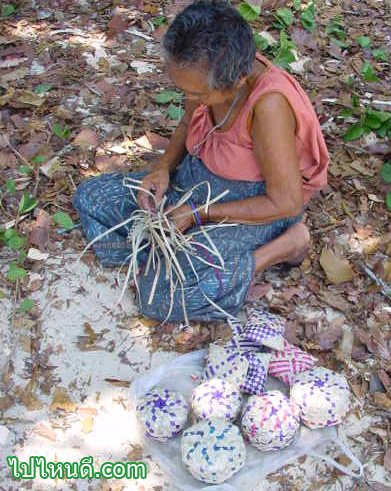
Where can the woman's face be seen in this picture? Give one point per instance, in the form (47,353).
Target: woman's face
(194,83)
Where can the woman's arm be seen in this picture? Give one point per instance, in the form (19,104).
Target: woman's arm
(158,179)
(273,135)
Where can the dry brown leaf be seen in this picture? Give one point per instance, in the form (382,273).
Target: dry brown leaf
(87,138)
(4,99)
(30,98)
(337,270)
(61,400)
(117,383)
(87,424)
(387,459)
(380,399)
(45,432)
(39,235)
(88,411)
(135,454)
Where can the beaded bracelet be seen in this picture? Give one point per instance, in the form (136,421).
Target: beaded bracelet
(196,215)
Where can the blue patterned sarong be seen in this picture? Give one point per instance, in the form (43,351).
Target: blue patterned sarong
(103,202)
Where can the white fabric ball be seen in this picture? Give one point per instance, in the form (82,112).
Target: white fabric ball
(215,399)
(270,421)
(322,395)
(163,413)
(213,450)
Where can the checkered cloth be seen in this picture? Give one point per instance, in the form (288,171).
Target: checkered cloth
(226,363)
(237,341)
(257,373)
(288,362)
(264,329)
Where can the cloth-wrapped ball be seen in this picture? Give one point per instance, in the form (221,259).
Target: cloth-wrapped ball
(322,395)
(226,363)
(270,421)
(215,399)
(213,450)
(163,413)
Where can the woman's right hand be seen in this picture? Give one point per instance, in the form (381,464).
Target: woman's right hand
(156,182)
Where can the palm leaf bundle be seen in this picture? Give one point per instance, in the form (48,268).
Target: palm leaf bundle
(153,231)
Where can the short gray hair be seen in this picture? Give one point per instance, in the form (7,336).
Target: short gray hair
(215,34)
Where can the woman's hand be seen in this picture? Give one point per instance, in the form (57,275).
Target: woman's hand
(156,182)
(182,223)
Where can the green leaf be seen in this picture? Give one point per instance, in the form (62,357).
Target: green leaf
(175,112)
(388,201)
(249,12)
(22,256)
(368,73)
(379,54)
(8,234)
(340,43)
(364,41)
(2,295)
(372,121)
(168,96)
(260,42)
(27,304)
(346,113)
(39,159)
(27,203)
(158,21)
(10,186)
(42,89)
(64,220)
(355,101)
(15,272)
(386,172)
(307,18)
(285,54)
(16,242)
(63,133)
(7,10)
(336,29)
(297,4)
(354,132)
(285,16)
(25,169)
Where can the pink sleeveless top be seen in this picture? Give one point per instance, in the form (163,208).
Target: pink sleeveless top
(229,154)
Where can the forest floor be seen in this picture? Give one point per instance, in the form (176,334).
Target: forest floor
(83,91)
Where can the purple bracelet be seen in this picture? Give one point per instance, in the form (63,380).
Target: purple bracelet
(196,214)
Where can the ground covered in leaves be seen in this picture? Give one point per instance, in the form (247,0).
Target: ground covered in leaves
(83,91)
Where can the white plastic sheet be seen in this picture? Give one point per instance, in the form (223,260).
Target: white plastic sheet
(177,375)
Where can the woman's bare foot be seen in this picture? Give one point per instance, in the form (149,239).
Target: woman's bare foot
(290,247)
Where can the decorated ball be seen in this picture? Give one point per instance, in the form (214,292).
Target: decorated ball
(322,395)
(163,413)
(213,450)
(270,421)
(216,398)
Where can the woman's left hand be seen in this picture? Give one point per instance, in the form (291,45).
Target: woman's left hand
(182,223)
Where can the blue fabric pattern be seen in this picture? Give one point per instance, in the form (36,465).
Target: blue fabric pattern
(103,202)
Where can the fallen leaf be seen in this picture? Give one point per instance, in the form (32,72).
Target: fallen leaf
(30,98)
(39,235)
(36,255)
(135,454)
(116,25)
(117,383)
(14,75)
(87,424)
(329,337)
(258,291)
(87,138)
(380,399)
(337,270)
(5,98)
(88,410)
(61,400)
(45,432)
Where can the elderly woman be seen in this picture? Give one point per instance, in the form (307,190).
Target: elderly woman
(248,128)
